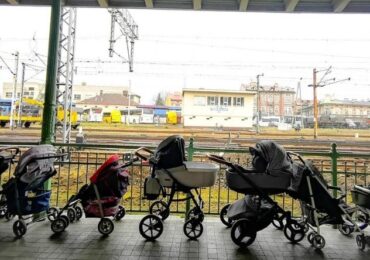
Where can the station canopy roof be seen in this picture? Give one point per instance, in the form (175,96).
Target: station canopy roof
(308,6)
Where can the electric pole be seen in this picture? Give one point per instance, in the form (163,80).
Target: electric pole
(315,109)
(21,97)
(258,103)
(15,78)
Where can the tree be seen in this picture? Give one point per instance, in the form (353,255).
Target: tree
(159,100)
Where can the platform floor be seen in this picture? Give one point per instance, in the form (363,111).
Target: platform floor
(82,241)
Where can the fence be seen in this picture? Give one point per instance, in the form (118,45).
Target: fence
(340,169)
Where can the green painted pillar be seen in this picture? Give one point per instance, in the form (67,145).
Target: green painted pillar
(48,117)
(334,167)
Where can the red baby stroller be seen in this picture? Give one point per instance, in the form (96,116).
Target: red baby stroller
(99,199)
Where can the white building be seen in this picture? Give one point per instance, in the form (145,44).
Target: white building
(217,108)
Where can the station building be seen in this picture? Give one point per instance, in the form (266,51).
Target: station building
(218,108)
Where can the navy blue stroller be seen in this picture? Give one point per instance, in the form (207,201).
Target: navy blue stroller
(25,193)
(7,155)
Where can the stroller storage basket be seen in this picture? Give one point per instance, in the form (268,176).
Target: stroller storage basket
(109,206)
(361,196)
(29,205)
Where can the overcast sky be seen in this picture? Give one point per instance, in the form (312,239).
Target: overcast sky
(204,49)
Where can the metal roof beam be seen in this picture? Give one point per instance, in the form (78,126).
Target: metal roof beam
(197,4)
(149,3)
(103,3)
(243,5)
(13,2)
(339,5)
(290,5)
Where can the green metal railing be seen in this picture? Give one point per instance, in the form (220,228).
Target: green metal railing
(343,169)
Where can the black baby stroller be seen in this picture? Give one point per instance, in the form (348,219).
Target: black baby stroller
(300,179)
(99,199)
(7,155)
(171,173)
(361,197)
(25,192)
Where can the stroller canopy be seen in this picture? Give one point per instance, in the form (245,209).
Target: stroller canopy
(170,152)
(112,160)
(275,156)
(34,163)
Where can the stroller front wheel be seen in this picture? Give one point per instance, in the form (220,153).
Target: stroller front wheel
(195,213)
(9,216)
(243,233)
(278,221)
(318,241)
(160,208)
(345,229)
(193,228)
(19,228)
(294,231)
(58,225)
(151,227)
(78,213)
(52,213)
(105,226)
(223,216)
(361,241)
(3,211)
(72,214)
(120,214)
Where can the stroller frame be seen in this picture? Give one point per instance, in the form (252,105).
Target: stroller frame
(74,212)
(160,210)
(20,225)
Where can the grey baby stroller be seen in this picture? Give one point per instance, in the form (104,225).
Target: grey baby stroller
(171,173)
(7,155)
(25,194)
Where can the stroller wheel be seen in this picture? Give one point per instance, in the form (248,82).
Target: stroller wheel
(243,233)
(105,226)
(151,227)
(79,212)
(72,215)
(310,237)
(66,219)
(19,228)
(120,214)
(3,211)
(294,231)
(193,228)
(195,213)
(160,208)
(361,241)
(318,241)
(9,216)
(58,225)
(223,216)
(345,229)
(52,213)
(278,222)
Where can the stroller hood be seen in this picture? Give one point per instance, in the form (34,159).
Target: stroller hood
(31,166)
(170,152)
(275,156)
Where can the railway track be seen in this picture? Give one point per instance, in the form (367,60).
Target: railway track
(203,139)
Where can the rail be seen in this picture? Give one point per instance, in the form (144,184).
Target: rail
(340,169)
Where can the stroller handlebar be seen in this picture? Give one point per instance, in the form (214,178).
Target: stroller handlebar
(139,153)
(11,148)
(129,163)
(219,159)
(296,155)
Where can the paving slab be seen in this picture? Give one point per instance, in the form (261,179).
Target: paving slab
(82,240)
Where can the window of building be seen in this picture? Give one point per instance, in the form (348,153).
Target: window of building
(32,93)
(8,94)
(77,96)
(212,101)
(26,93)
(225,101)
(199,101)
(239,101)
(18,95)
(31,88)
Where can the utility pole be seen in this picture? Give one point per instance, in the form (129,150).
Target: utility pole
(15,79)
(315,110)
(258,103)
(21,97)
(129,102)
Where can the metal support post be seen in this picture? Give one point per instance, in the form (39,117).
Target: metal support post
(14,94)
(334,167)
(21,97)
(48,118)
(315,110)
(258,103)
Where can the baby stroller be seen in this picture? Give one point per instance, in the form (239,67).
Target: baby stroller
(99,199)
(7,156)
(275,172)
(171,173)
(25,194)
(361,197)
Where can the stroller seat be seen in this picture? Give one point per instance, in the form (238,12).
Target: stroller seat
(190,174)
(269,183)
